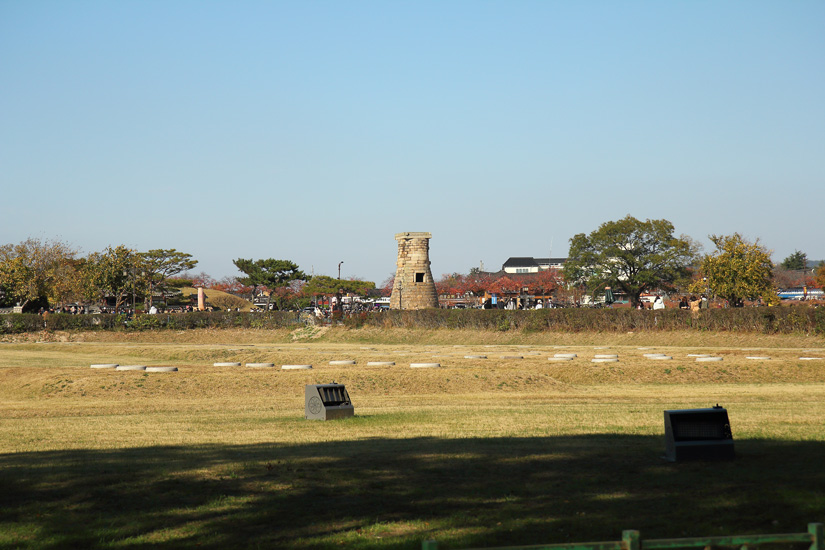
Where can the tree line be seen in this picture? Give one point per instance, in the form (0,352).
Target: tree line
(640,257)
(637,257)
(38,273)
(628,255)
(284,284)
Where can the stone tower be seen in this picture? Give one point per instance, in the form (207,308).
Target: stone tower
(414,287)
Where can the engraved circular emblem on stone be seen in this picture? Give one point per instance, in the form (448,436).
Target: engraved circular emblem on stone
(315,405)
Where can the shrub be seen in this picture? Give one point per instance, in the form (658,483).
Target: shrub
(819,321)
(796,319)
(778,319)
(145,322)
(16,323)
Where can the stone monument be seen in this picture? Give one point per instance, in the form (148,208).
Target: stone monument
(414,287)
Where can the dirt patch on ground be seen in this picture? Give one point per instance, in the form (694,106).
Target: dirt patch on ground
(309,332)
(400,336)
(196,336)
(42,336)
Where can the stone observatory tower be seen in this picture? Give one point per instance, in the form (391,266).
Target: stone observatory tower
(414,287)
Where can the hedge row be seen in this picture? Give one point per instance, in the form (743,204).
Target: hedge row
(806,320)
(800,319)
(30,322)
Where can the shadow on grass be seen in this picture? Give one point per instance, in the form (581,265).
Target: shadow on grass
(393,493)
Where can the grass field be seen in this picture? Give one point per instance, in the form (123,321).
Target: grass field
(479,452)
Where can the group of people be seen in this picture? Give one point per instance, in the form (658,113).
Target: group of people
(71,310)
(83,310)
(517,303)
(657,303)
(154,310)
(694,304)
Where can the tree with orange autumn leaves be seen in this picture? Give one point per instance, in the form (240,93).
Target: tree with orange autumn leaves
(477,283)
(819,278)
(544,282)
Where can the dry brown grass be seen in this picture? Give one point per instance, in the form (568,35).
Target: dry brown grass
(219,299)
(50,389)
(423,456)
(445,337)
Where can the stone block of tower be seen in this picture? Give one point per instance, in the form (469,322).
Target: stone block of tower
(414,287)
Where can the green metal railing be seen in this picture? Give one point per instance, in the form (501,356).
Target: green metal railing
(631,540)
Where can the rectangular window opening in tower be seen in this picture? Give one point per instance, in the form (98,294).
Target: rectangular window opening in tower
(419,277)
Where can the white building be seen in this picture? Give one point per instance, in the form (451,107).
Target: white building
(532,265)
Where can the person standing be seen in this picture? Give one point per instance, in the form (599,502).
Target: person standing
(695,304)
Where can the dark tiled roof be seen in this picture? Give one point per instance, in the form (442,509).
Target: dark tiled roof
(521,262)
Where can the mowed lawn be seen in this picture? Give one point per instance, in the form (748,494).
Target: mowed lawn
(511,448)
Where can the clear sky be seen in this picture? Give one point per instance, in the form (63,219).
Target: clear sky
(314,131)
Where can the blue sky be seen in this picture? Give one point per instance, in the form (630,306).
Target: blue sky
(314,131)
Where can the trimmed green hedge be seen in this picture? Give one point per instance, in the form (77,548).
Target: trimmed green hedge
(796,319)
(29,322)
